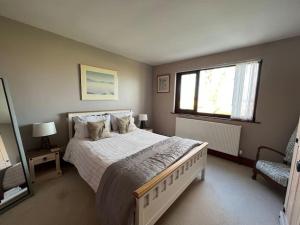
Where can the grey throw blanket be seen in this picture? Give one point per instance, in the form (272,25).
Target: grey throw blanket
(114,199)
(2,174)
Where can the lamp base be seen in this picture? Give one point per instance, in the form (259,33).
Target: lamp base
(143,125)
(45,143)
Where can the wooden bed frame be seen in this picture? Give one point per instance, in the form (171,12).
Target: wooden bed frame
(157,195)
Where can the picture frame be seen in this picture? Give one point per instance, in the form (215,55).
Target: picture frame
(98,83)
(163,83)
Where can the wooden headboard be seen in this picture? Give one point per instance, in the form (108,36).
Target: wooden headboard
(94,113)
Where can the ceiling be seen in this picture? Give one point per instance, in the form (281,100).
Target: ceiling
(161,31)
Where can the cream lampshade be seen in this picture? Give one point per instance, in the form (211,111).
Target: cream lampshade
(143,118)
(44,130)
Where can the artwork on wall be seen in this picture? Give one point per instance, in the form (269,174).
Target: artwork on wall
(163,83)
(98,83)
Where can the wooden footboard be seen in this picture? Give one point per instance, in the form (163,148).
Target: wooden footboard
(158,194)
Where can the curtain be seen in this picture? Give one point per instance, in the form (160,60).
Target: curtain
(244,91)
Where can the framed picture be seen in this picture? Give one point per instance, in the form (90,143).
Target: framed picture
(98,83)
(163,83)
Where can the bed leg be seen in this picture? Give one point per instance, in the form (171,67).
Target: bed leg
(203,174)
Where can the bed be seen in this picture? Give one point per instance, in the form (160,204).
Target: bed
(153,198)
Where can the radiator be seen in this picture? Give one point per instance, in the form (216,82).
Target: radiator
(220,137)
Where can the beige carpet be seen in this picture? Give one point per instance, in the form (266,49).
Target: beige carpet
(228,196)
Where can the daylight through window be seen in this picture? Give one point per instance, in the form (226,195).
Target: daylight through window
(223,92)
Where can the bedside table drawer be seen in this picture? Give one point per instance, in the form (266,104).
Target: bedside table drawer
(43,158)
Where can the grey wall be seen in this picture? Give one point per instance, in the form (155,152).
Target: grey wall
(43,75)
(278,100)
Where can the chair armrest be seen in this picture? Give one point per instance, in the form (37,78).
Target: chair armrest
(260,148)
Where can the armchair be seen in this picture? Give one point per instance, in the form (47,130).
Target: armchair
(277,173)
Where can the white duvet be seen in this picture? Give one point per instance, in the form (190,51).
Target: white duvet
(91,158)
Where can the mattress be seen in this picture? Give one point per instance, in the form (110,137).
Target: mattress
(91,158)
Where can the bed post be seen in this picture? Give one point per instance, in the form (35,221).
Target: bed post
(203,174)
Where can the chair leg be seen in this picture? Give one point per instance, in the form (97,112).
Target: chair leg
(254,174)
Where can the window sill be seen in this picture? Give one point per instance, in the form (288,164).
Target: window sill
(196,116)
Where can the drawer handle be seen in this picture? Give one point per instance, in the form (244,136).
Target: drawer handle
(44,158)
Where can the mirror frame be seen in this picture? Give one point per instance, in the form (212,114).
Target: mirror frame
(23,159)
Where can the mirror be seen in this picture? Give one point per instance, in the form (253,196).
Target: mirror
(15,182)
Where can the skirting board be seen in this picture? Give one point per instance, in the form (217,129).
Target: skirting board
(237,159)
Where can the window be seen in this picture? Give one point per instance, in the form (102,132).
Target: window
(228,92)
(188,93)
(4,160)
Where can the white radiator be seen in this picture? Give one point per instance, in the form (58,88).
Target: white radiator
(220,137)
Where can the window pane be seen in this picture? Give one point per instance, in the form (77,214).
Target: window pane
(216,90)
(187,91)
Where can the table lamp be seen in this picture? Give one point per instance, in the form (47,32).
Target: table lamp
(44,130)
(143,118)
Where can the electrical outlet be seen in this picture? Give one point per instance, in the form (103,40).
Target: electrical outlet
(240,152)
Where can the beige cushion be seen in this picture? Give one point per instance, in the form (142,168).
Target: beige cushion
(126,124)
(81,130)
(98,130)
(114,121)
(123,124)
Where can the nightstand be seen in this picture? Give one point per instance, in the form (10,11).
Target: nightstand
(36,157)
(148,129)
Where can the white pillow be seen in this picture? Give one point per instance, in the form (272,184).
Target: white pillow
(132,125)
(81,130)
(114,117)
(106,132)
